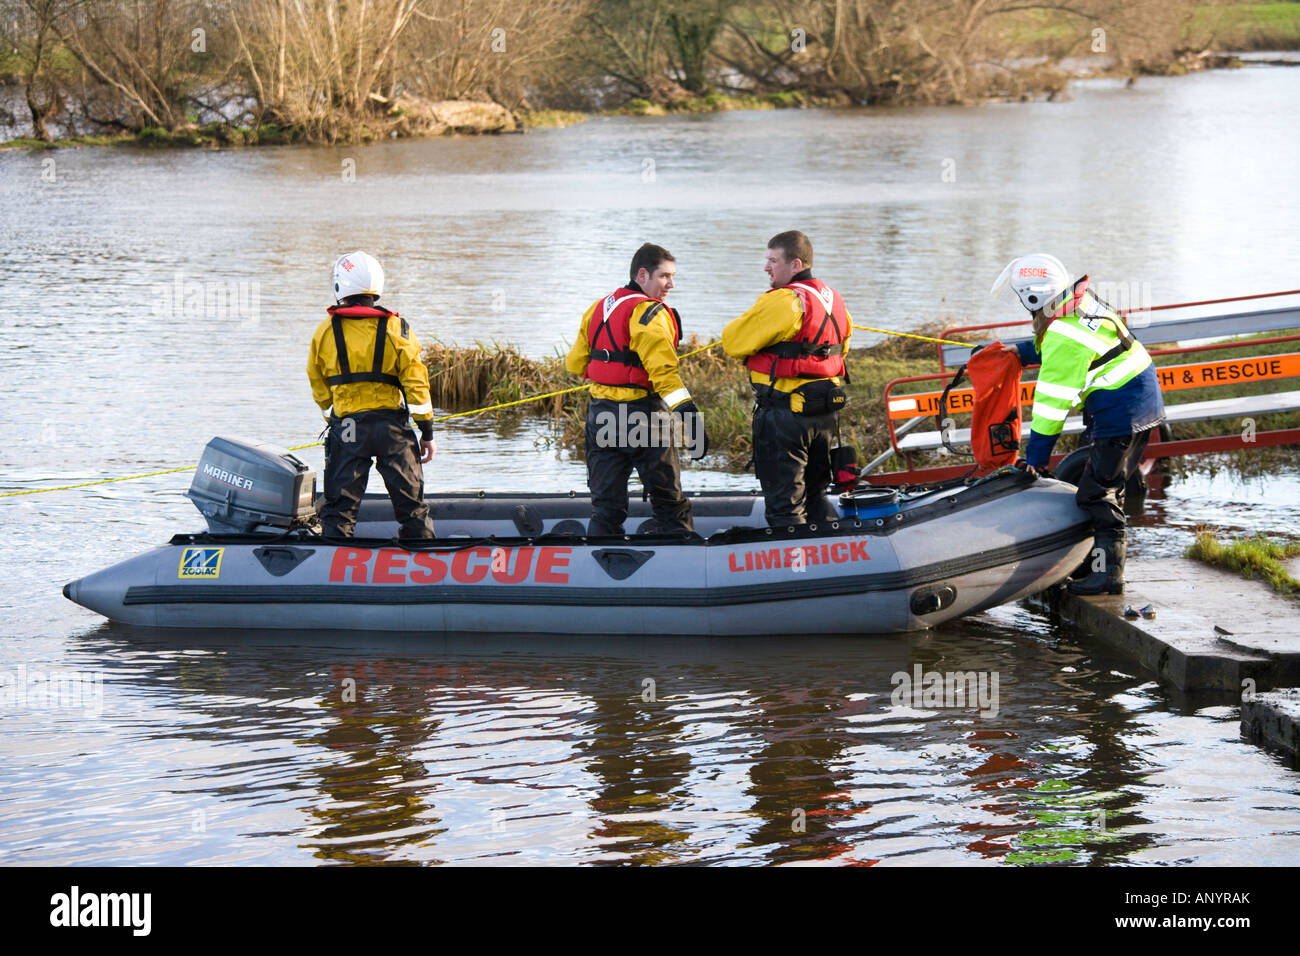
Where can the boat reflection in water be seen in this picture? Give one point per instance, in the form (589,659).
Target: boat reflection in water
(351,748)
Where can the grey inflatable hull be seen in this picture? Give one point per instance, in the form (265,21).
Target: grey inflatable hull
(521,564)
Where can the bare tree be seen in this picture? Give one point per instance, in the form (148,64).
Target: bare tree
(496,49)
(318,65)
(694,26)
(625,43)
(30,37)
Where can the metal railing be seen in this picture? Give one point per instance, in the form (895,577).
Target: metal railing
(1287,366)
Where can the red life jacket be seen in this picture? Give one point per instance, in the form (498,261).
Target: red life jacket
(376,374)
(609,334)
(816,349)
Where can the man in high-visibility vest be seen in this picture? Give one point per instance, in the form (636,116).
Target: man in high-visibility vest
(368,379)
(627,346)
(1087,355)
(793,340)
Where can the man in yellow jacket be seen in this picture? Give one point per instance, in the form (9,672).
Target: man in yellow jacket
(627,346)
(367,377)
(793,340)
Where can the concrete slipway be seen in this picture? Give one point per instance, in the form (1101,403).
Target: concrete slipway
(1212,631)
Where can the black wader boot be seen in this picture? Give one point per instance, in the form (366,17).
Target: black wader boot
(1107,575)
(1112,462)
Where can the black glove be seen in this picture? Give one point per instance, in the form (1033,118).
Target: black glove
(692,422)
(1040,470)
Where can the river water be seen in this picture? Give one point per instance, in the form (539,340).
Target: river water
(154,299)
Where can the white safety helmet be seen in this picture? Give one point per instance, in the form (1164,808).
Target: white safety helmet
(1037,279)
(357,273)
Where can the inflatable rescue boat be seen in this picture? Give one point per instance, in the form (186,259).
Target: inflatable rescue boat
(523,563)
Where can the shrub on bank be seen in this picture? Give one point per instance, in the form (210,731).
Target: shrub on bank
(462,379)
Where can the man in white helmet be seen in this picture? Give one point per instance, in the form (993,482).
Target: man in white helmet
(367,377)
(1087,355)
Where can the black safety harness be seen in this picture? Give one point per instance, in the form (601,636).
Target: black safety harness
(1125,342)
(376,374)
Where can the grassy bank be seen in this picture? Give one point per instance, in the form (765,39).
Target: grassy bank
(220,135)
(1256,558)
(125,63)
(212,136)
(469,378)
(550,119)
(1212,26)
(724,102)
(1245,26)
(25,142)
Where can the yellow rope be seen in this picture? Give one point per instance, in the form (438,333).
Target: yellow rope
(703,349)
(101,481)
(909,335)
(518,401)
(476,411)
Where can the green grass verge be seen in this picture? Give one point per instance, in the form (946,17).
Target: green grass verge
(550,119)
(1245,26)
(26,142)
(217,135)
(1041,32)
(1216,26)
(1254,558)
(724,102)
(214,135)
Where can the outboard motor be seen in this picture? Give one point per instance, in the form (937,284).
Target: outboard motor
(240,485)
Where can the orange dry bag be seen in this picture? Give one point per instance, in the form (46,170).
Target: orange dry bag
(995,419)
